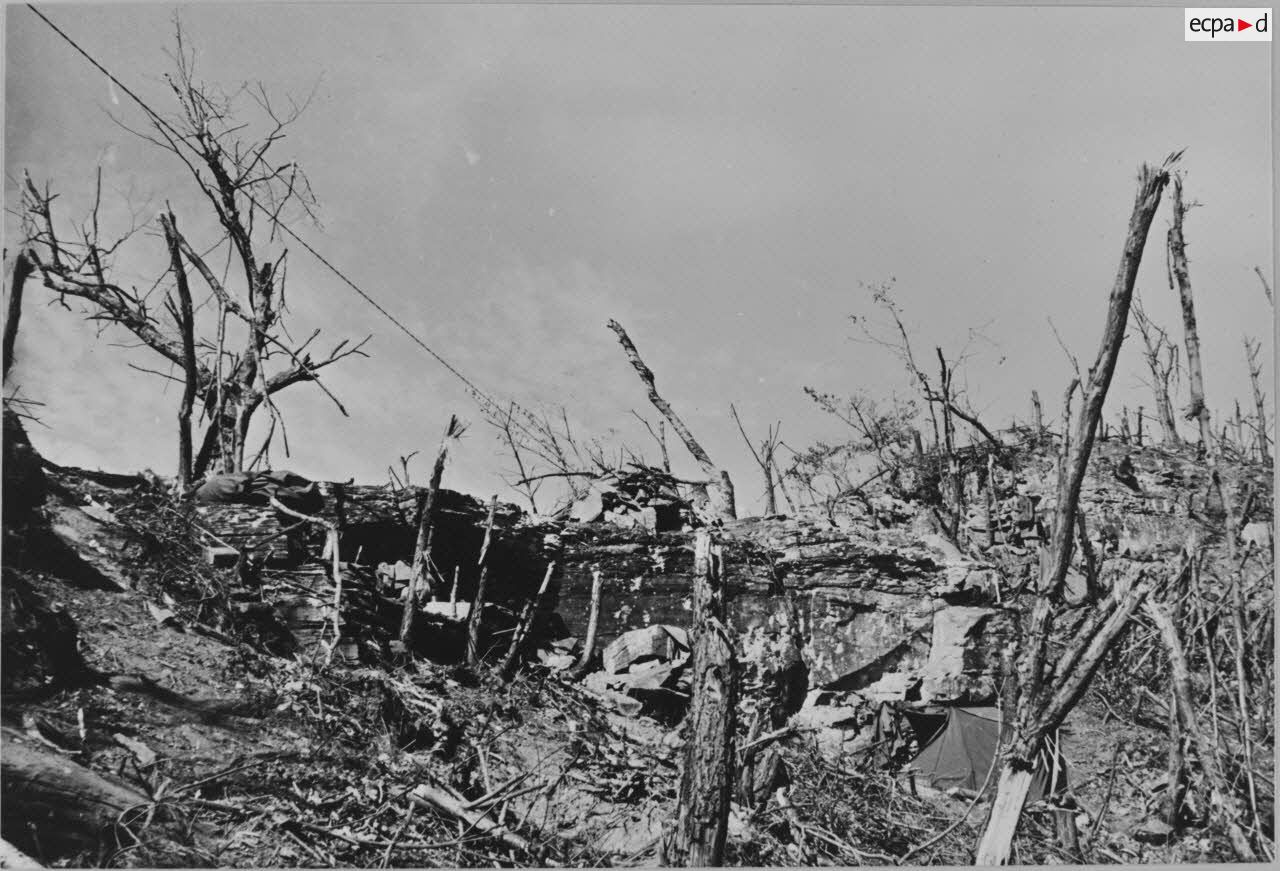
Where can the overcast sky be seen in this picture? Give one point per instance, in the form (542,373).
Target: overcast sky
(720,179)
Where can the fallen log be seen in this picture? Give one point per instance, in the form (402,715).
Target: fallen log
(54,806)
(437,799)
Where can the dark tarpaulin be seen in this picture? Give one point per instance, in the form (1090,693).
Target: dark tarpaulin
(962,748)
(257,488)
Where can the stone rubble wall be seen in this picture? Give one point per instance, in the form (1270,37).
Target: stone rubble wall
(877,604)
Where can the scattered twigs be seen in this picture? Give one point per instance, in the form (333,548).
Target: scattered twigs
(1223,801)
(1106,798)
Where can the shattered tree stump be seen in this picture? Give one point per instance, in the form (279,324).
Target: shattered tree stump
(696,838)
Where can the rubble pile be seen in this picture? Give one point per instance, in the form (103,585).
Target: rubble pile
(638,496)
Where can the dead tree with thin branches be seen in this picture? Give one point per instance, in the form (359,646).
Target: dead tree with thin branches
(764,457)
(251,195)
(1161,355)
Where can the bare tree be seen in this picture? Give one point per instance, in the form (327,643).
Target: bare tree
(764,457)
(1180,273)
(251,195)
(899,343)
(1161,355)
(543,445)
(1045,691)
(659,436)
(719,486)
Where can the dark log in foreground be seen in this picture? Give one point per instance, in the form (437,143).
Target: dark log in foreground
(696,837)
(55,806)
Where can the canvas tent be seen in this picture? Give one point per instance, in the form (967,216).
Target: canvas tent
(958,747)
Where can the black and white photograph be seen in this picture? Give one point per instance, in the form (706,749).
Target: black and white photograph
(496,435)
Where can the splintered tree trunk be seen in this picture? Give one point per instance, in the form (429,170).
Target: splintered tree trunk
(1006,812)
(954,478)
(719,488)
(525,624)
(593,626)
(1037,415)
(422,547)
(477,607)
(696,837)
(1225,805)
(1251,352)
(1195,371)
(186,325)
(22,269)
(1041,708)
(770,498)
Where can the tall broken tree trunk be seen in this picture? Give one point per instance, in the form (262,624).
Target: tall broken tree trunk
(696,837)
(1198,410)
(22,269)
(422,547)
(186,327)
(719,487)
(1037,416)
(1046,694)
